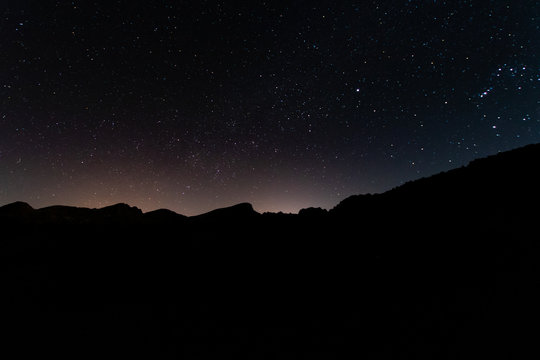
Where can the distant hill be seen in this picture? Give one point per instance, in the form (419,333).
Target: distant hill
(236,213)
(163,216)
(506,184)
(59,214)
(16,209)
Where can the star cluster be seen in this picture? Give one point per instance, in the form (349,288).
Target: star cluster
(198,105)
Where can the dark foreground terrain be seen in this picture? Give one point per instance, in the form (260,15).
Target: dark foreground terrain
(445,267)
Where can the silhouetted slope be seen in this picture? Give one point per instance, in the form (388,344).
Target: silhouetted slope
(120,213)
(501,185)
(312,212)
(163,217)
(59,214)
(16,210)
(120,210)
(64,214)
(237,213)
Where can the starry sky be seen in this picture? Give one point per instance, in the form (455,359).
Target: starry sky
(195,105)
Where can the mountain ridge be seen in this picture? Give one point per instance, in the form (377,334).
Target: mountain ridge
(446,265)
(483,176)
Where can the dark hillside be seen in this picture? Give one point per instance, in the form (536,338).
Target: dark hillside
(444,267)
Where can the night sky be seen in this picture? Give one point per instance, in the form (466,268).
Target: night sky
(195,105)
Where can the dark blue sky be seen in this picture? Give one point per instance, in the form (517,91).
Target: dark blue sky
(285,104)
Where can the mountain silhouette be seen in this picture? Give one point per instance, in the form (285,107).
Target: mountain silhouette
(236,213)
(59,214)
(499,186)
(441,267)
(16,210)
(163,217)
(495,183)
(120,210)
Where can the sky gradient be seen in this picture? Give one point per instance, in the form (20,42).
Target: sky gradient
(193,106)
